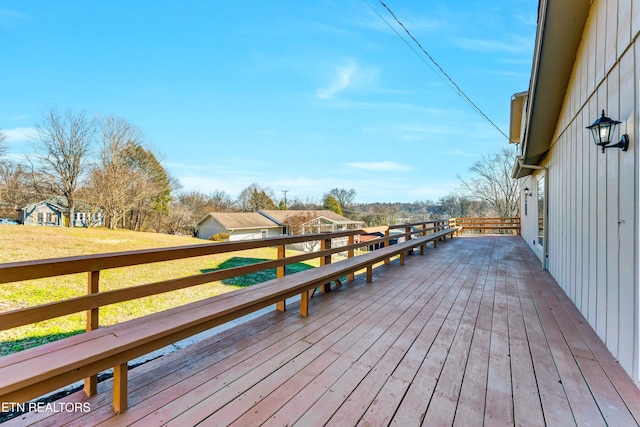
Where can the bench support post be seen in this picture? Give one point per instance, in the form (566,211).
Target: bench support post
(93,323)
(304,304)
(350,254)
(325,260)
(281,272)
(120,388)
(369,273)
(387,243)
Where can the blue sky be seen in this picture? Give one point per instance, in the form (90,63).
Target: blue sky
(301,96)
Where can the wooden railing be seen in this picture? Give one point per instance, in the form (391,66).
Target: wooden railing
(509,225)
(92,265)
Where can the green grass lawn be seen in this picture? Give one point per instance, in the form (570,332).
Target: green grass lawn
(21,243)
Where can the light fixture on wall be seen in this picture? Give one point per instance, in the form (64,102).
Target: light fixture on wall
(527,192)
(602,131)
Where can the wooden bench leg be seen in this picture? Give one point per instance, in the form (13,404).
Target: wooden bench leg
(304,304)
(422,249)
(435,243)
(91,385)
(369,274)
(401,258)
(120,388)
(281,305)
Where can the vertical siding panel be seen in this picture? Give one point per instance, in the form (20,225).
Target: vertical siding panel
(624,25)
(593,223)
(635,18)
(601,245)
(612,156)
(611,49)
(601,37)
(591,31)
(570,222)
(585,190)
(627,201)
(586,194)
(578,210)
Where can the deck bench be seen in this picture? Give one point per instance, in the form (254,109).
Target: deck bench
(34,372)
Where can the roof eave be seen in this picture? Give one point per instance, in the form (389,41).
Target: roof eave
(560,28)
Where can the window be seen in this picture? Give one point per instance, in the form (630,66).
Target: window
(541,210)
(40,217)
(48,216)
(264,233)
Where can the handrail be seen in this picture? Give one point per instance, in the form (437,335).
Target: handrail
(497,224)
(93,264)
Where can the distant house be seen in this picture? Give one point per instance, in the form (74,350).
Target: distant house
(272,223)
(55,212)
(238,225)
(311,221)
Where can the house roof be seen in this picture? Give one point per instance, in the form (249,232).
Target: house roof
(61,203)
(281,216)
(240,220)
(560,28)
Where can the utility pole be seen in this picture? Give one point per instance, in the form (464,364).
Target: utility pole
(285,199)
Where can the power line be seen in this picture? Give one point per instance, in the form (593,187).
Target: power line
(438,70)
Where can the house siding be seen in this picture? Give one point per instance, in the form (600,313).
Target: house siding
(593,197)
(211,226)
(30,216)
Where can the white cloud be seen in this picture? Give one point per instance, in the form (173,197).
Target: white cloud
(20,134)
(517,45)
(379,166)
(342,79)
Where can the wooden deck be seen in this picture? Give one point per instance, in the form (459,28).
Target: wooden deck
(471,333)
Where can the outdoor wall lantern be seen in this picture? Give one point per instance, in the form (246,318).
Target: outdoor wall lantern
(529,193)
(602,131)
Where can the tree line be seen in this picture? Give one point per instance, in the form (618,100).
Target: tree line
(104,163)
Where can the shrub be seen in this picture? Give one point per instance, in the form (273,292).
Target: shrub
(220,237)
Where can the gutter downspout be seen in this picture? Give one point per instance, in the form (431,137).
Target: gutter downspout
(545,241)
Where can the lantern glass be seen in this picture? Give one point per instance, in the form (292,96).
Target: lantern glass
(602,130)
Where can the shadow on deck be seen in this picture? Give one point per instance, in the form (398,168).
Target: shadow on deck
(472,333)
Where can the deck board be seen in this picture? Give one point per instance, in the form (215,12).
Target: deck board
(471,333)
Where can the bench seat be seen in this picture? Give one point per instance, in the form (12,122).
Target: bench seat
(34,372)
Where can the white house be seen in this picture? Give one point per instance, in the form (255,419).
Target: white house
(55,212)
(579,208)
(311,221)
(238,225)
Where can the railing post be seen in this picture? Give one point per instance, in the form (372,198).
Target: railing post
(281,272)
(387,243)
(350,254)
(325,260)
(93,323)
(406,230)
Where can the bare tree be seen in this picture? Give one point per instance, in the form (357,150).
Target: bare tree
(221,201)
(344,197)
(62,153)
(14,188)
(255,198)
(114,185)
(491,182)
(3,146)
(192,206)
